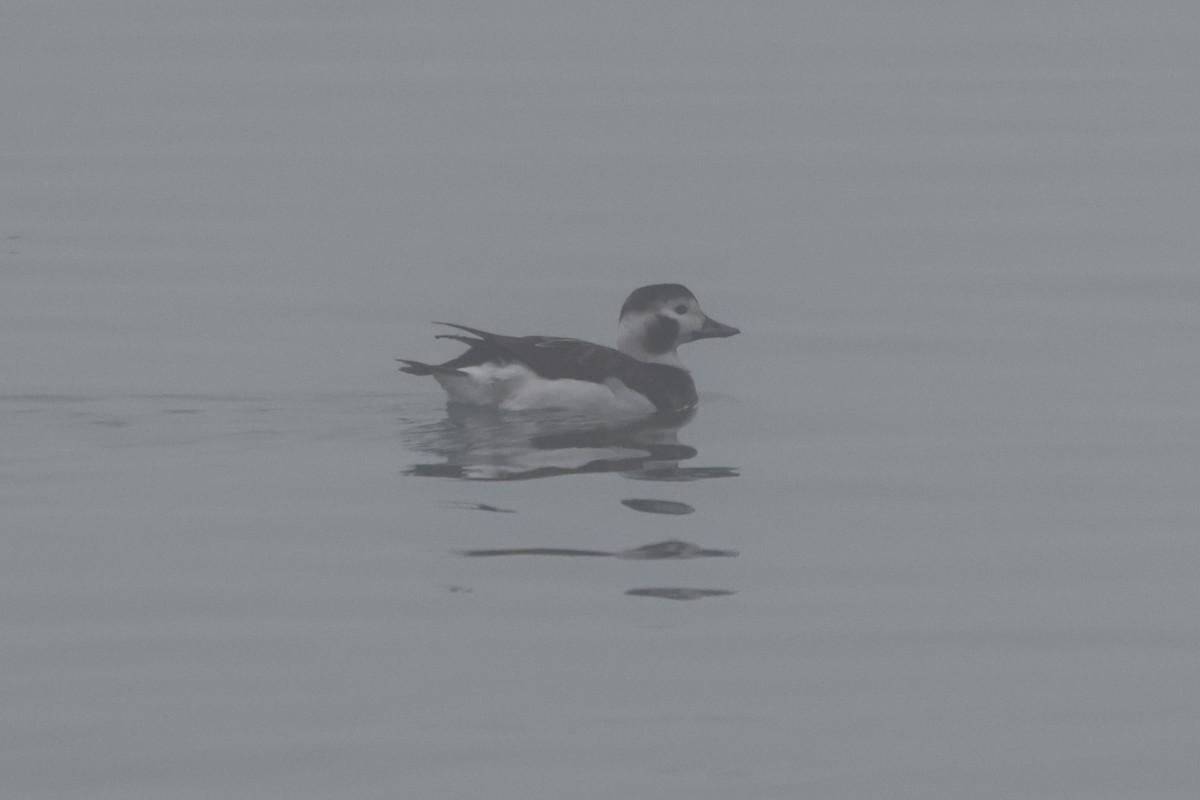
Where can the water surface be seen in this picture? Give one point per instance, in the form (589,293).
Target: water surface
(943,496)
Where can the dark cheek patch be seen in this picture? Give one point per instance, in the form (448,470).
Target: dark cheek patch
(661,335)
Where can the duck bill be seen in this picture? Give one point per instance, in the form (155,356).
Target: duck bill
(711,329)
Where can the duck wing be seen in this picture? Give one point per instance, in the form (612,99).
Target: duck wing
(555,358)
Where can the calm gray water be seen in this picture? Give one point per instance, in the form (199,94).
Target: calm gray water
(941,493)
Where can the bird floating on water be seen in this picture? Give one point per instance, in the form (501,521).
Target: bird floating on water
(643,374)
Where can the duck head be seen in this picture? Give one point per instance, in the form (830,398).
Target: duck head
(656,319)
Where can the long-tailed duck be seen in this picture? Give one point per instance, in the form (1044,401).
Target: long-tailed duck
(642,375)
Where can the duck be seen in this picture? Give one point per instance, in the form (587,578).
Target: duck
(641,375)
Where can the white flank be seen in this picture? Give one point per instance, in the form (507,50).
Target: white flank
(515,387)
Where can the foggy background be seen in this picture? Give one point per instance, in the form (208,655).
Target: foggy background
(957,438)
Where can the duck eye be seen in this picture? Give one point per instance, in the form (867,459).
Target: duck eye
(681,308)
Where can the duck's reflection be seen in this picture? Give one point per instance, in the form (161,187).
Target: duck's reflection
(492,445)
(671,548)
(678,593)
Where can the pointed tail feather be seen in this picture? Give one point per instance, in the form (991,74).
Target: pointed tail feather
(467,340)
(481,334)
(421,368)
